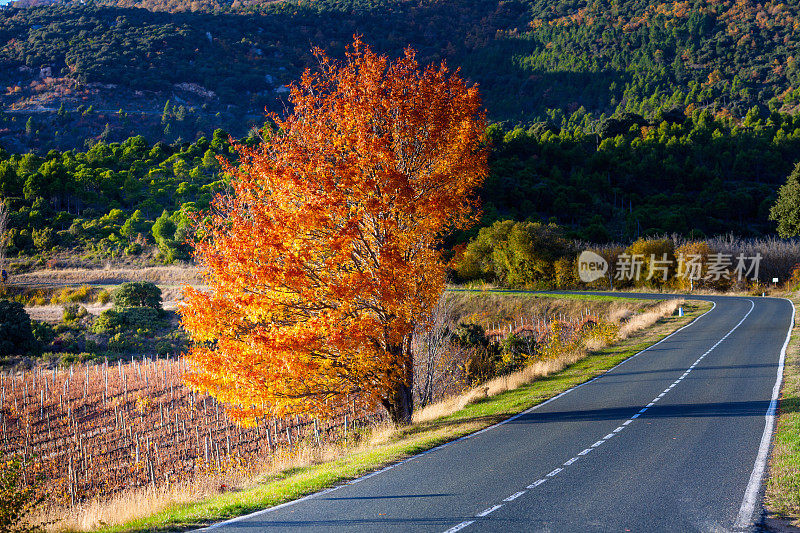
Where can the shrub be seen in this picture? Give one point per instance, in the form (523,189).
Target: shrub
(133,248)
(565,271)
(480,366)
(656,255)
(516,352)
(514,253)
(16,499)
(470,336)
(103,297)
(71,295)
(137,294)
(698,250)
(74,312)
(482,357)
(145,320)
(43,239)
(794,279)
(16,334)
(67,342)
(42,332)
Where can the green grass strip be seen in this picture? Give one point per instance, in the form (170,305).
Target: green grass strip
(783,484)
(406,442)
(532,294)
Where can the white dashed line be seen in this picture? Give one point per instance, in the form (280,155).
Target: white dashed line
(460,526)
(554,472)
(569,462)
(491,509)
(598,443)
(535,483)
(514,496)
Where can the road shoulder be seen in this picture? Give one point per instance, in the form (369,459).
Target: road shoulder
(782,496)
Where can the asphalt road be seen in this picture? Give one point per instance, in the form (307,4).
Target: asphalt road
(669,440)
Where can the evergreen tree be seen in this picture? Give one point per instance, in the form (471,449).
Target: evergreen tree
(786,211)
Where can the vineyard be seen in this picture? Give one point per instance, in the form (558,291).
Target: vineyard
(95,430)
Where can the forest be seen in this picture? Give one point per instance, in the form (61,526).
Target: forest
(695,176)
(533,60)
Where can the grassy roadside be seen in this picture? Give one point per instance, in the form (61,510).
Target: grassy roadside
(553,295)
(782,498)
(403,443)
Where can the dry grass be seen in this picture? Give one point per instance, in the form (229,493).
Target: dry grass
(539,369)
(166,275)
(143,501)
(55,313)
(646,319)
(492,307)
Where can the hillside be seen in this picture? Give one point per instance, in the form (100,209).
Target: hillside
(221,65)
(694,176)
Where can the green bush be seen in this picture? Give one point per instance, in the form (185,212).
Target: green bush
(514,253)
(144,320)
(137,294)
(482,357)
(16,334)
(74,312)
(67,341)
(42,332)
(43,239)
(470,336)
(133,248)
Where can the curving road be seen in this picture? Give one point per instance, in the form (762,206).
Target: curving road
(673,439)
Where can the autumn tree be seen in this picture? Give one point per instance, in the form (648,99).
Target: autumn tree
(327,250)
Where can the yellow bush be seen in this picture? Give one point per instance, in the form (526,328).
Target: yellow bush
(657,258)
(565,273)
(700,252)
(103,296)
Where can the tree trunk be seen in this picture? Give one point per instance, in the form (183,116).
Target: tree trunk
(399,400)
(400,405)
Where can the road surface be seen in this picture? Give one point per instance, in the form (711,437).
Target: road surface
(673,439)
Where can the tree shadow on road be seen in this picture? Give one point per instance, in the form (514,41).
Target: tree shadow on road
(698,410)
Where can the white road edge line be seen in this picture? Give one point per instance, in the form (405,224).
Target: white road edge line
(750,499)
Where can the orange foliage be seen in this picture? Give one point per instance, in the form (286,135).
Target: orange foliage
(326,253)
